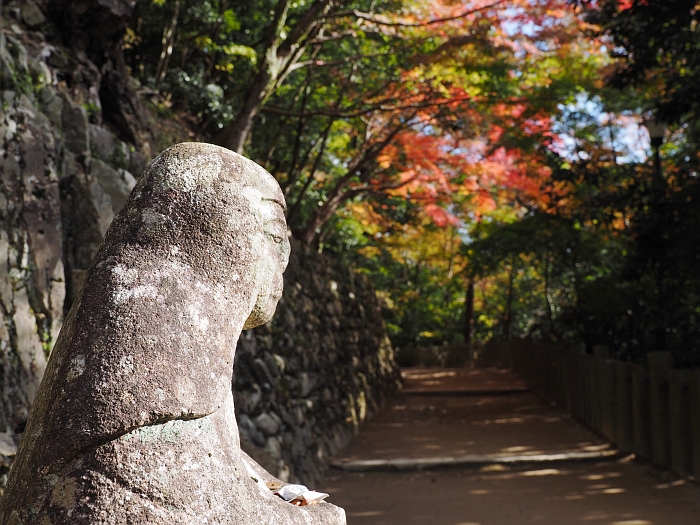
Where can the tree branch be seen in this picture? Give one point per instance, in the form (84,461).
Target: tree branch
(333,37)
(374,20)
(294,174)
(339,193)
(305,24)
(312,173)
(329,63)
(362,111)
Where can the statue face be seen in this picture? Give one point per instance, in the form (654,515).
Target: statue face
(274,250)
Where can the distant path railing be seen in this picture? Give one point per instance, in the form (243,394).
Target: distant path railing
(650,409)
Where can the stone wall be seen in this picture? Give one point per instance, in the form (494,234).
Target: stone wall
(62,180)
(303,384)
(32,283)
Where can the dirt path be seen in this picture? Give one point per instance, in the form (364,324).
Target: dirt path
(424,423)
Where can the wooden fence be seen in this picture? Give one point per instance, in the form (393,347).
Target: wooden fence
(650,409)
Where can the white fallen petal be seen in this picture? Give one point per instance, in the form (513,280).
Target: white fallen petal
(290,492)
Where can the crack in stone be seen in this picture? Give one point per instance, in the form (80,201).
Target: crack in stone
(115,436)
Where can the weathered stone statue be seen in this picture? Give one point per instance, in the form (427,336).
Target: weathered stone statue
(134,420)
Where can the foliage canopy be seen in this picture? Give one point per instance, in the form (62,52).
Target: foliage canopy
(481,156)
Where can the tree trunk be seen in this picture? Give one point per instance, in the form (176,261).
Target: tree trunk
(547,265)
(168,40)
(469,312)
(325,211)
(235,136)
(508,316)
(278,57)
(660,331)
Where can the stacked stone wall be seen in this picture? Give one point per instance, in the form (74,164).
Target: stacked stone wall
(305,382)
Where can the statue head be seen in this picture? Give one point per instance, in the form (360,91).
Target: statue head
(242,238)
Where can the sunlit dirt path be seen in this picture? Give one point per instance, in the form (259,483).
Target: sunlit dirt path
(480,418)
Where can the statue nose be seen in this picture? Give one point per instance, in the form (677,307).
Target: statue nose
(286,252)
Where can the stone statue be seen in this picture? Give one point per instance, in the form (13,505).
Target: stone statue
(134,420)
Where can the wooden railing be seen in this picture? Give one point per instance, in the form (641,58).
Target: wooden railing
(650,409)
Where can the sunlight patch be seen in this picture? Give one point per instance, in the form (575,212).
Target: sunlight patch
(543,472)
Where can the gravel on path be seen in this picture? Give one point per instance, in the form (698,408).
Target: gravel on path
(609,493)
(489,413)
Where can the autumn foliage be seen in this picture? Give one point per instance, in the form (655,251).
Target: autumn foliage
(454,151)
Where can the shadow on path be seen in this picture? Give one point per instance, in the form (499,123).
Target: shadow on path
(489,416)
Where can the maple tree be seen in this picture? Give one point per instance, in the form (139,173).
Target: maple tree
(475,159)
(451,138)
(411,82)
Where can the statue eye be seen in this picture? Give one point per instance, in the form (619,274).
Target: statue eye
(277,230)
(276,236)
